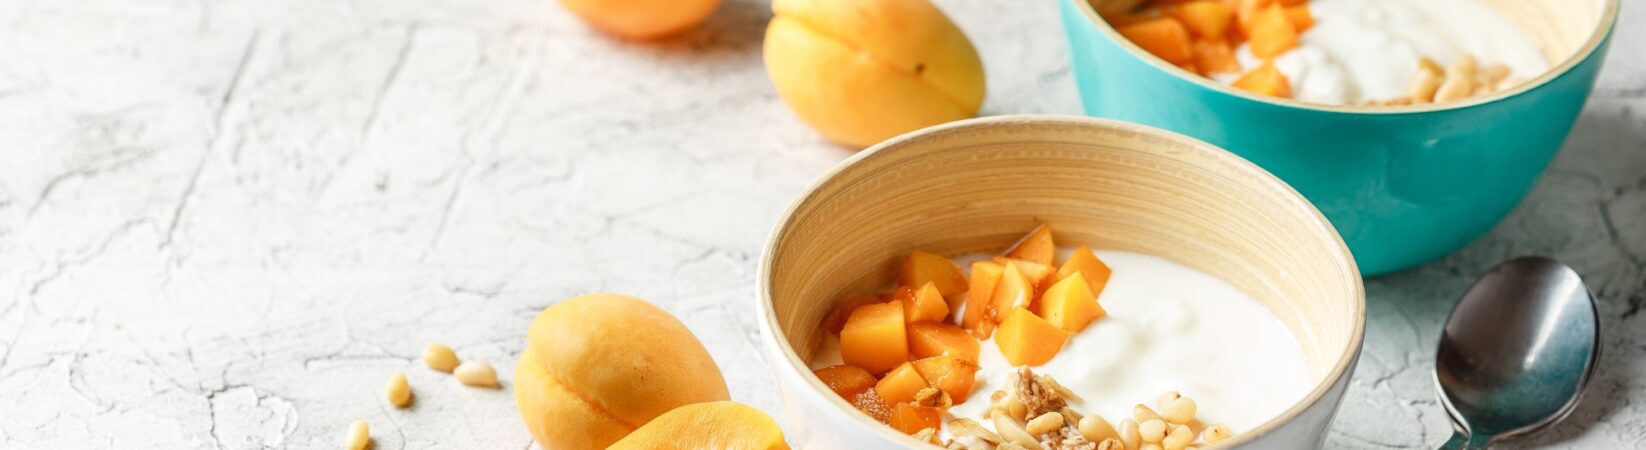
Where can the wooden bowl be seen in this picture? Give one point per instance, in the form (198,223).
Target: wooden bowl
(977,185)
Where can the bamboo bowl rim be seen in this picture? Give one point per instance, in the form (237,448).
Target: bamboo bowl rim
(1602,31)
(1340,368)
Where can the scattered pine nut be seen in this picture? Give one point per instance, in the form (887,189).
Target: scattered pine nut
(1095,429)
(398,391)
(1216,433)
(1017,409)
(1179,411)
(1129,434)
(359,436)
(1423,86)
(1179,439)
(1011,432)
(440,357)
(1046,423)
(476,373)
(1167,398)
(1152,430)
(1150,446)
(1143,413)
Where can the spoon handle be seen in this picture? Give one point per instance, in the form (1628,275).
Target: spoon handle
(1462,441)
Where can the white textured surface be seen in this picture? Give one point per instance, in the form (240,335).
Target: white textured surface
(225,223)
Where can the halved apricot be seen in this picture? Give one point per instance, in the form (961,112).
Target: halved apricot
(1070,305)
(910,419)
(848,381)
(874,338)
(901,384)
(1266,80)
(1028,340)
(1085,263)
(925,305)
(952,375)
(1272,33)
(985,275)
(1207,19)
(1036,246)
(928,339)
(1164,37)
(921,267)
(843,309)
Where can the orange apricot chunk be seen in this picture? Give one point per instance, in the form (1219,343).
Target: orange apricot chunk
(1085,263)
(1266,80)
(901,384)
(843,309)
(1163,37)
(928,339)
(707,426)
(1206,19)
(910,419)
(1214,56)
(1028,340)
(1246,10)
(1036,246)
(1037,272)
(985,275)
(874,337)
(1070,305)
(952,375)
(925,305)
(848,381)
(1300,17)
(921,267)
(1013,291)
(870,403)
(1272,33)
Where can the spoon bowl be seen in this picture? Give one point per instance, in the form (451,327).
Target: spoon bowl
(1517,351)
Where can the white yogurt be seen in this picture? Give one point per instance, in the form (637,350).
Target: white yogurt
(1169,328)
(1364,50)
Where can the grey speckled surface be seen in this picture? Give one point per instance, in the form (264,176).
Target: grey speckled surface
(224,223)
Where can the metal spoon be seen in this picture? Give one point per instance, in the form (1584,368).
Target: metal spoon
(1517,351)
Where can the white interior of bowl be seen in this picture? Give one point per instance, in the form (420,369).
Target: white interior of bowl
(1567,30)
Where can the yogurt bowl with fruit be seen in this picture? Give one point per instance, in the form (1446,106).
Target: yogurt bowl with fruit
(1057,283)
(1413,125)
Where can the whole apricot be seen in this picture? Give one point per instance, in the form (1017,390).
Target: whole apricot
(861,71)
(642,19)
(597,367)
(707,426)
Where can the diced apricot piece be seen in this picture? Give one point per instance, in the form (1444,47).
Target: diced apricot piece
(1214,56)
(1266,80)
(1085,263)
(1036,246)
(843,309)
(952,375)
(1070,305)
(848,381)
(1246,10)
(1206,19)
(925,305)
(928,339)
(1272,33)
(985,275)
(921,267)
(1163,37)
(1037,272)
(900,384)
(1300,17)
(870,403)
(874,337)
(1013,291)
(910,419)
(1028,340)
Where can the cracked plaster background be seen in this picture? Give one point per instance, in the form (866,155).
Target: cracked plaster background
(224,223)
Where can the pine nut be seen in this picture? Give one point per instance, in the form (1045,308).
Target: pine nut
(1216,433)
(476,373)
(440,357)
(398,391)
(1018,410)
(1153,430)
(359,436)
(1144,413)
(1167,398)
(1178,439)
(1454,88)
(1465,67)
(1129,434)
(1011,432)
(1430,65)
(1423,86)
(1180,411)
(1150,446)
(1095,429)
(1046,423)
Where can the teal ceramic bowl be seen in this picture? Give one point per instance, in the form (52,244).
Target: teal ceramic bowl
(1404,185)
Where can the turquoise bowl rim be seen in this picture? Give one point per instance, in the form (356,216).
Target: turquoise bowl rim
(1597,39)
